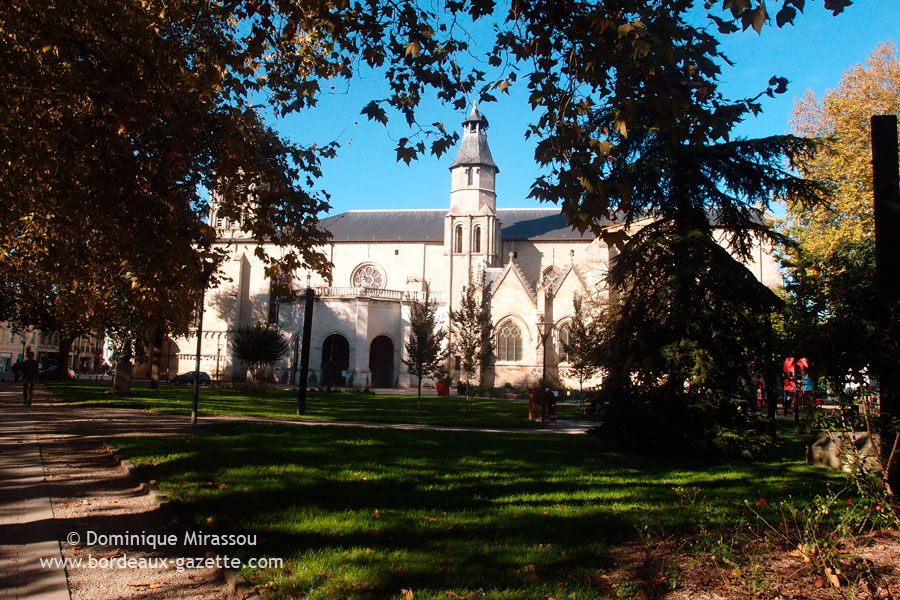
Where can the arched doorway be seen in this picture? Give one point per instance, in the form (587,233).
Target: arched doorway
(381,362)
(335,360)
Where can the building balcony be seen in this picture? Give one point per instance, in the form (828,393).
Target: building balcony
(378,293)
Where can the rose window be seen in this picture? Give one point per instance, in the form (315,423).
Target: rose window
(368,276)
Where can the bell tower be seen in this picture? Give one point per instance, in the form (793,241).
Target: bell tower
(471,229)
(473,172)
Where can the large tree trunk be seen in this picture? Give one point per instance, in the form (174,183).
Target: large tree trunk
(122,375)
(62,361)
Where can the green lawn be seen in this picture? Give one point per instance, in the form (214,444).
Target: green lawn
(362,513)
(341,406)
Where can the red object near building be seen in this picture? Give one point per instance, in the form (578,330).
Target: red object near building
(789,365)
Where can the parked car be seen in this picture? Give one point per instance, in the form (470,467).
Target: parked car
(50,372)
(189,378)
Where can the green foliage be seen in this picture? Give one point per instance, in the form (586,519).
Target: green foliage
(831,321)
(629,589)
(868,467)
(425,349)
(583,335)
(831,270)
(258,346)
(819,528)
(678,344)
(472,340)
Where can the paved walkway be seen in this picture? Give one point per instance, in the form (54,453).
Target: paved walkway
(27,531)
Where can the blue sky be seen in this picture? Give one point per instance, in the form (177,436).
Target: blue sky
(365,175)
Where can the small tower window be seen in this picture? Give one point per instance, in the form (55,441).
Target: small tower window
(458,240)
(470,176)
(476,239)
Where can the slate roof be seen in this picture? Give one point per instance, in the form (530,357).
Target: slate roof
(386,226)
(537,224)
(473,148)
(428,225)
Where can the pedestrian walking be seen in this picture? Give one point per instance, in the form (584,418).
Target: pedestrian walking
(16,369)
(29,376)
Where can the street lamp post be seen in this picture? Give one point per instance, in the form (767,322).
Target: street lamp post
(218,356)
(207,269)
(304,351)
(197,362)
(544,333)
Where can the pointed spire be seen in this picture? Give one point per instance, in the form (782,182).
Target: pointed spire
(475,121)
(473,148)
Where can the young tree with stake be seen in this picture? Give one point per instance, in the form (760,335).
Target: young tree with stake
(425,348)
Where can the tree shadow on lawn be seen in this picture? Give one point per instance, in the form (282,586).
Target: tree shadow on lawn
(261,476)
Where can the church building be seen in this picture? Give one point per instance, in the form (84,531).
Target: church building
(528,261)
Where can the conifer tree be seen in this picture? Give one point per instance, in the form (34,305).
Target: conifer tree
(581,346)
(425,348)
(258,346)
(472,335)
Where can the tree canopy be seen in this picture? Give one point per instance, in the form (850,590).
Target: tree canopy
(120,120)
(841,117)
(259,346)
(831,269)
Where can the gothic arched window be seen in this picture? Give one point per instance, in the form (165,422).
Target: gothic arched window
(470,176)
(368,276)
(565,337)
(509,342)
(458,239)
(551,278)
(476,239)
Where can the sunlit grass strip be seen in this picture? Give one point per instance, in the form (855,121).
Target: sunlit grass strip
(340,406)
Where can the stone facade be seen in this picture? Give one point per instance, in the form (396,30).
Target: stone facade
(529,261)
(86,354)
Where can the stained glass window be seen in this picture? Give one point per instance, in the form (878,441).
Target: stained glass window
(565,334)
(509,342)
(368,276)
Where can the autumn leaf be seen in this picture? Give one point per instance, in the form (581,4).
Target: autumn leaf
(412,49)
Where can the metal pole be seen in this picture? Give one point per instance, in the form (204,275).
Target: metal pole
(197,362)
(544,335)
(304,351)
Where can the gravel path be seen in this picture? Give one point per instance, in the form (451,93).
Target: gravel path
(91,492)
(93,495)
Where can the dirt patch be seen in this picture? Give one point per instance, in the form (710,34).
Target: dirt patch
(93,496)
(754,567)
